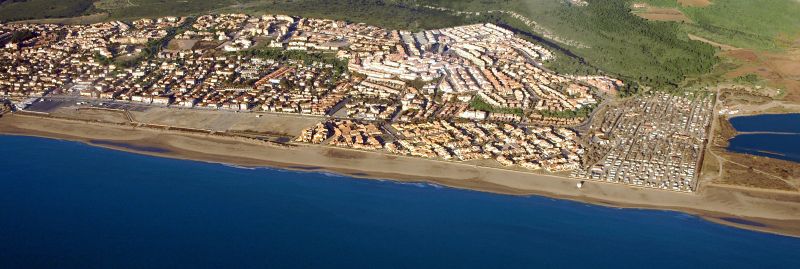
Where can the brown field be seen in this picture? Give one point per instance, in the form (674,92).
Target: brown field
(662,14)
(742,170)
(694,3)
(759,172)
(91,114)
(221,121)
(780,69)
(200,45)
(181,44)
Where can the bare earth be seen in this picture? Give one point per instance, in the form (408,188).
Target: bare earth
(780,69)
(181,44)
(663,14)
(216,120)
(774,211)
(694,3)
(721,46)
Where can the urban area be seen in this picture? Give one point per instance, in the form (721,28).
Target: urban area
(462,94)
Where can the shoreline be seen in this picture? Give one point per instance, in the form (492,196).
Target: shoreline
(759,113)
(759,210)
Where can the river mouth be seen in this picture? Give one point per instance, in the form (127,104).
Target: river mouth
(774,136)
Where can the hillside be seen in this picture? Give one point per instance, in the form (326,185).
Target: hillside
(759,41)
(765,24)
(13,10)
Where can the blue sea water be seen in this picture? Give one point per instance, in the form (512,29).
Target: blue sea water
(785,123)
(778,136)
(69,205)
(778,146)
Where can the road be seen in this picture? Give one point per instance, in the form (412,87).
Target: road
(136,106)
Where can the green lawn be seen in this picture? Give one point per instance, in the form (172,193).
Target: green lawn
(479,104)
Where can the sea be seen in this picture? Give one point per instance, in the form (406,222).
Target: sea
(770,135)
(70,205)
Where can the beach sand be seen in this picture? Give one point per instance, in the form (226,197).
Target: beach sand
(755,209)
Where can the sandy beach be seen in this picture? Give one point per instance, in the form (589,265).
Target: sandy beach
(755,209)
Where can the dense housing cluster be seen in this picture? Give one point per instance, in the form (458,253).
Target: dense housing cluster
(554,149)
(344,133)
(262,63)
(654,142)
(483,64)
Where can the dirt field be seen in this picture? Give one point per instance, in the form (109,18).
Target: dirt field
(181,44)
(92,114)
(226,120)
(199,45)
(662,14)
(759,172)
(721,46)
(694,3)
(780,69)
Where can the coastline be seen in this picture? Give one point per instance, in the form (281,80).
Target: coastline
(753,209)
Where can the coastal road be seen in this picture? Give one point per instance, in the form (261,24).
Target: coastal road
(137,106)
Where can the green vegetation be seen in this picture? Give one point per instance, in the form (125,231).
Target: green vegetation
(124,9)
(653,54)
(383,13)
(578,113)
(153,47)
(14,10)
(102,59)
(648,53)
(20,36)
(741,23)
(747,79)
(566,64)
(478,103)
(119,62)
(150,50)
(659,3)
(417,83)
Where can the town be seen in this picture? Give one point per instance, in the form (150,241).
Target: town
(463,94)
(655,142)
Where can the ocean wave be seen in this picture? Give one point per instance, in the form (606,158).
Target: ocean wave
(417,184)
(329,174)
(239,166)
